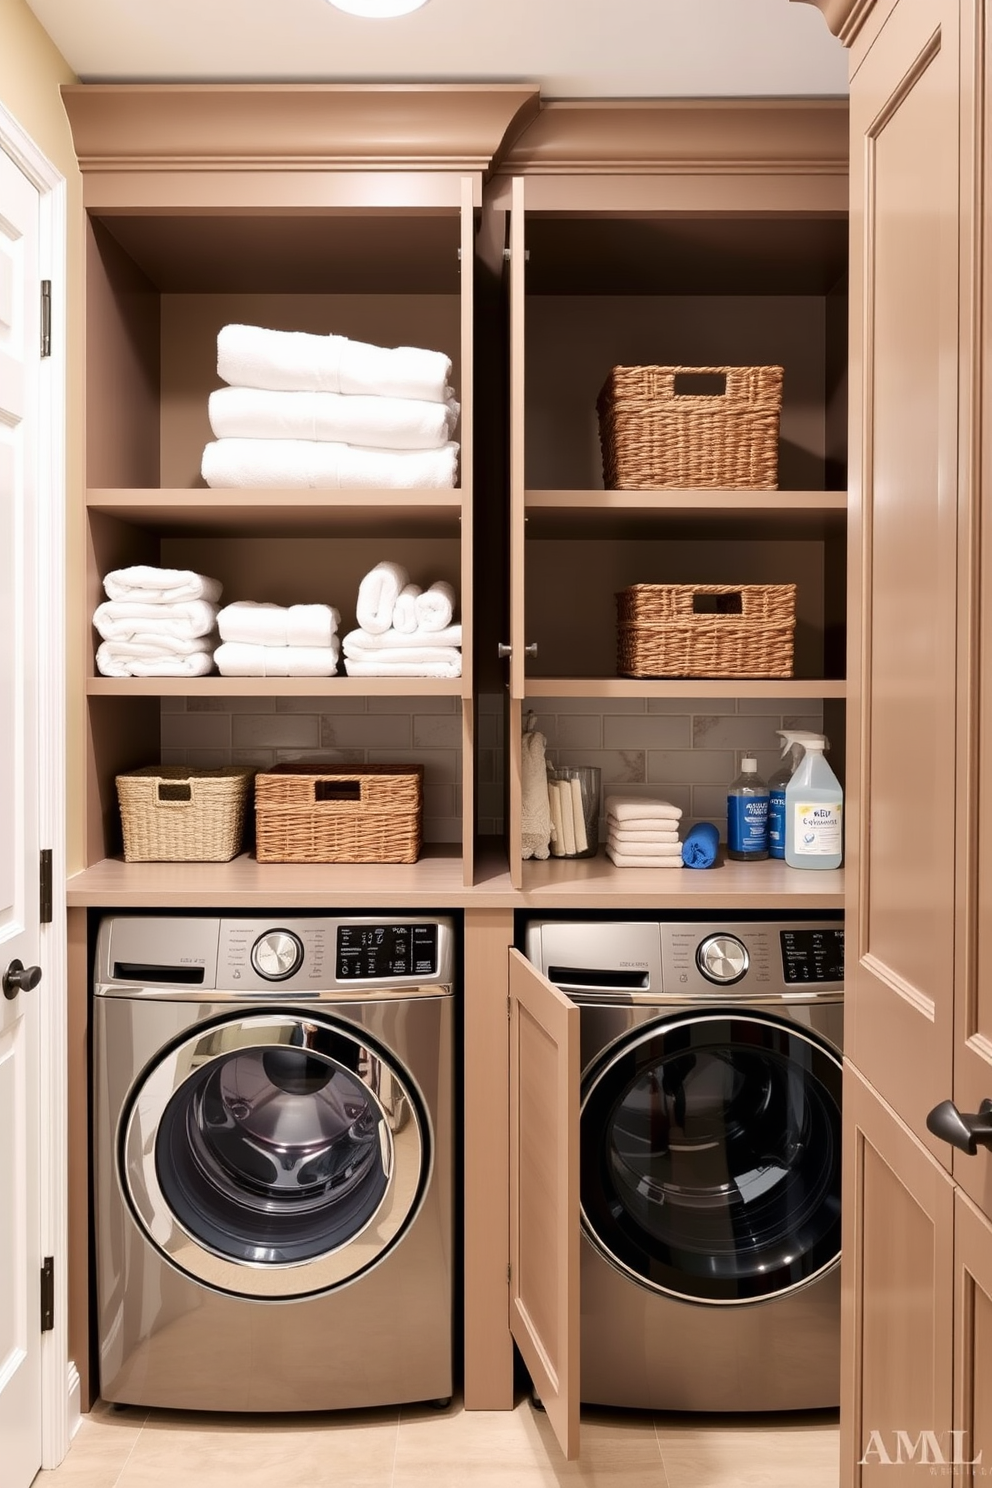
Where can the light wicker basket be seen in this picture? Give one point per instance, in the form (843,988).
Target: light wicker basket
(657,433)
(706,630)
(171,814)
(315,813)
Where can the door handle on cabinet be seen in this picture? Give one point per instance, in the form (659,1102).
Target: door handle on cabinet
(503,651)
(20,978)
(962,1130)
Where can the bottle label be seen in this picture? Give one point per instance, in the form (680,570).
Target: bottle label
(776,822)
(747,823)
(817,829)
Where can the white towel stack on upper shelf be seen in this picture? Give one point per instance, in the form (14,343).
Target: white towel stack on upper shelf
(643,832)
(387,644)
(156,622)
(270,640)
(328,413)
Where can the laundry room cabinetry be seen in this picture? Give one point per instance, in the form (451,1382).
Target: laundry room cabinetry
(692,235)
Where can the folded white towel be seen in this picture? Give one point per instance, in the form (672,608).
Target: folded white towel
(405,611)
(624,860)
(252,356)
(239,659)
(147,646)
(660,832)
(259,624)
(306,464)
(377,596)
(196,664)
(358,642)
(399,655)
(381,667)
(436,606)
(644,849)
(160,585)
(650,824)
(624,807)
(382,423)
(535,814)
(120,619)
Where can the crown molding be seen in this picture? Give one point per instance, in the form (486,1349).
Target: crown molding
(304,126)
(678,136)
(844,17)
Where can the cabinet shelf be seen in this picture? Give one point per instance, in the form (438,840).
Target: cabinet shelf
(679,687)
(729,886)
(273,687)
(685,514)
(283,512)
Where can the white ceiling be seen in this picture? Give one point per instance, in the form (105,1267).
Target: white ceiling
(571,48)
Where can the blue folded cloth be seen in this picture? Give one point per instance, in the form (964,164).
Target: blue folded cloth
(700,845)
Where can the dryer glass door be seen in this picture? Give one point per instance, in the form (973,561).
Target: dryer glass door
(710,1156)
(258,1154)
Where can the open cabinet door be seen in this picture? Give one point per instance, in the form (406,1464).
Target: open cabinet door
(544,1193)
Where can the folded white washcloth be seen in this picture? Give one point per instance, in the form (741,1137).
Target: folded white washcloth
(451,666)
(651,824)
(381,423)
(306,464)
(436,606)
(624,860)
(625,807)
(120,619)
(259,624)
(405,611)
(160,585)
(240,659)
(252,356)
(377,596)
(148,646)
(644,849)
(535,816)
(358,642)
(664,830)
(196,664)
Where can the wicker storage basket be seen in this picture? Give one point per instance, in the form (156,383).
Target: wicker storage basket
(706,630)
(171,814)
(715,427)
(314,813)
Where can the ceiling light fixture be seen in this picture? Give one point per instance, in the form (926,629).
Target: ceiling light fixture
(378,9)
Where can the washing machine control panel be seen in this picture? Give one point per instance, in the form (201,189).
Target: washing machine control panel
(276,955)
(377,952)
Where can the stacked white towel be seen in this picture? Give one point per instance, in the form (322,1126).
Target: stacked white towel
(270,640)
(328,413)
(643,832)
(403,631)
(156,622)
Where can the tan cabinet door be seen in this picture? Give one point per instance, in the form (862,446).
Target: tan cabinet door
(973,1320)
(518,467)
(544,1193)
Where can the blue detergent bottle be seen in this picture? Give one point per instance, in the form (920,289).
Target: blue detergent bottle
(814,809)
(747,815)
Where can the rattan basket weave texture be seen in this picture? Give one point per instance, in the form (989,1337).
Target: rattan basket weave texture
(171,814)
(706,630)
(316,813)
(656,433)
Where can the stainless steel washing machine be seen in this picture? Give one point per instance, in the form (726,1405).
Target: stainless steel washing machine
(273,1169)
(710,1152)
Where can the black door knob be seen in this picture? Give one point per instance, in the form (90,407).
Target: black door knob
(20,978)
(963,1131)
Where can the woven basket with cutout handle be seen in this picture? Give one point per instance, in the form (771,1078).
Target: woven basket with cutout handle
(172,814)
(706,630)
(315,813)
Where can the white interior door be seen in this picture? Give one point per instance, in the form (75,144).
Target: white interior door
(20,1258)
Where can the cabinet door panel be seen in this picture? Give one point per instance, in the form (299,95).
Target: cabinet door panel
(544,1193)
(905,236)
(973,1321)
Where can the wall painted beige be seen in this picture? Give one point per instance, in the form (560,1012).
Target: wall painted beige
(31,72)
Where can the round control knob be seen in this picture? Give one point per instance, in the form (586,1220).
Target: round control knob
(722,959)
(276,955)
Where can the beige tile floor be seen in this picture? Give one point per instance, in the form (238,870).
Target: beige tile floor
(417,1447)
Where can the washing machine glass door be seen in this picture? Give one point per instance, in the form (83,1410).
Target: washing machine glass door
(273,1156)
(710,1157)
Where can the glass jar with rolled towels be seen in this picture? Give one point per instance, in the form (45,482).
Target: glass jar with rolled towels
(574,795)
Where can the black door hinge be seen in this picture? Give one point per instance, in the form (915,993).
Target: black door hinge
(48,1295)
(45,886)
(46,317)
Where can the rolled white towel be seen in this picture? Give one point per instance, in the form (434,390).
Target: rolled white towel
(377,596)
(624,860)
(160,585)
(252,356)
(356,642)
(308,465)
(120,619)
(624,807)
(260,624)
(239,659)
(436,606)
(196,664)
(645,849)
(381,423)
(405,611)
(380,667)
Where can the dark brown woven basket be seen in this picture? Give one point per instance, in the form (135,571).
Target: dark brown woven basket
(706,630)
(171,814)
(315,813)
(682,427)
